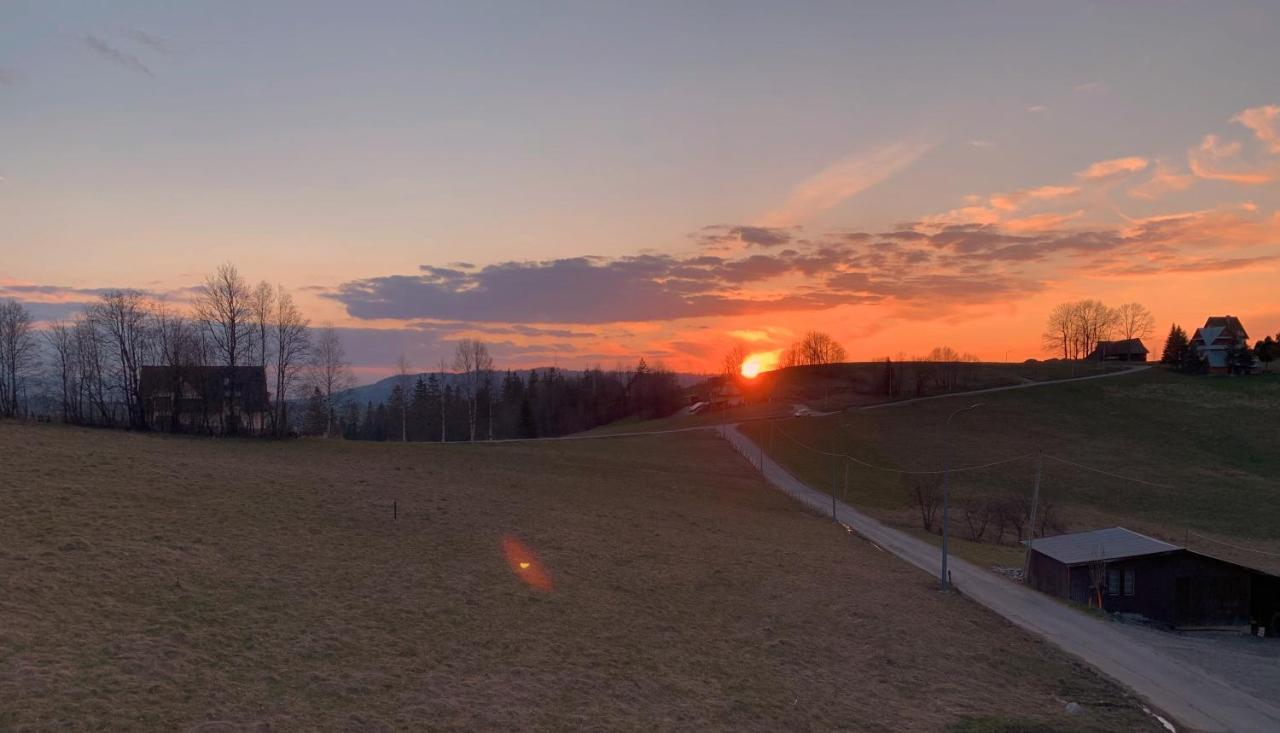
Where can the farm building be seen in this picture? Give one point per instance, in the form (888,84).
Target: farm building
(1122,571)
(1217,339)
(206,399)
(1122,350)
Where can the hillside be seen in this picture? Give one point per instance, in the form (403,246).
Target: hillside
(152,582)
(1203,449)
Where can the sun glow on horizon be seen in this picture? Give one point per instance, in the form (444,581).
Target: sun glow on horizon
(754,364)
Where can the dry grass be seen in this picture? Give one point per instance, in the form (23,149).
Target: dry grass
(168,583)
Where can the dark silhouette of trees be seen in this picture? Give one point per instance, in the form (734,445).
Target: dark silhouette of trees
(1266,350)
(1134,321)
(1074,329)
(1176,345)
(18,354)
(329,371)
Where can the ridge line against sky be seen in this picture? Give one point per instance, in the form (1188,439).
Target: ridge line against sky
(684,193)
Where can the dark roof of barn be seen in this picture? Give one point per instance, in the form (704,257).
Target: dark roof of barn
(1115,543)
(1123,346)
(249,381)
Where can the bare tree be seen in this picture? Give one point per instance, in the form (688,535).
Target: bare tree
(93,372)
(1097,323)
(402,381)
(120,316)
(1059,336)
(927,492)
(1074,329)
(733,362)
(819,348)
(444,402)
(61,338)
(223,305)
(292,345)
(790,357)
(472,362)
(1134,321)
(176,350)
(262,306)
(18,353)
(977,515)
(329,371)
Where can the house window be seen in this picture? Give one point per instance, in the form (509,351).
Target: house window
(1128,582)
(1113,582)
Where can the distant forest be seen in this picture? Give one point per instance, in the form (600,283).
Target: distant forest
(491,405)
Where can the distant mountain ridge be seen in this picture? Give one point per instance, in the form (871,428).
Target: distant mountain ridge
(380,390)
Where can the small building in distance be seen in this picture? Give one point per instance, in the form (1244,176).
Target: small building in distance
(216,400)
(1122,571)
(1122,350)
(1217,339)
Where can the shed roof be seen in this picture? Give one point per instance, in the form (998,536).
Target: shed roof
(1101,544)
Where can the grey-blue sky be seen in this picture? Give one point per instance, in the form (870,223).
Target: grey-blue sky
(325,142)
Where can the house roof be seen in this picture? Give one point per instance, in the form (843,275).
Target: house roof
(1228,323)
(1114,543)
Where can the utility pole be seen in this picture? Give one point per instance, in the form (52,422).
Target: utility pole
(946,493)
(1031,533)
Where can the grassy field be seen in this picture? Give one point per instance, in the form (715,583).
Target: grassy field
(1208,444)
(842,386)
(152,582)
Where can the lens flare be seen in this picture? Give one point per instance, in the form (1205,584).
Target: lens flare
(525,564)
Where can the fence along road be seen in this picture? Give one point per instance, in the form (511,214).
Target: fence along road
(1192,696)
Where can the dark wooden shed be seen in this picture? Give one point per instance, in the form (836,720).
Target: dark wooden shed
(1122,571)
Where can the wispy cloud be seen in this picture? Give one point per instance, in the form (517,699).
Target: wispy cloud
(1165,179)
(123,59)
(1093,87)
(1265,123)
(1114,168)
(844,179)
(1217,160)
(1037,108)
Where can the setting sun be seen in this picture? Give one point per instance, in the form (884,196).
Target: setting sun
(753,364)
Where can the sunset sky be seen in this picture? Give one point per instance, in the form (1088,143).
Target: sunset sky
(582,183)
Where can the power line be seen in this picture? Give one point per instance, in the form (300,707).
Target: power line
(1234,547)
(1108,473)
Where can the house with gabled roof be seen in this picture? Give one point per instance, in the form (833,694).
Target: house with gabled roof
(1217,339)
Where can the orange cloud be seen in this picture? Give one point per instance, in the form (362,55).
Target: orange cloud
(1114,167)
(842,180)
(1216,160)
(1265,123)
(1164,179)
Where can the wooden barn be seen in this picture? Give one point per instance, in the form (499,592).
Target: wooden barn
(217,400)
(1122,350)
(1122,571)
